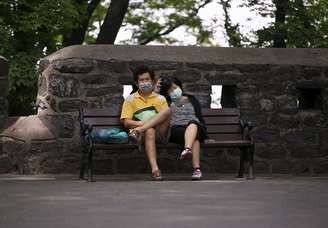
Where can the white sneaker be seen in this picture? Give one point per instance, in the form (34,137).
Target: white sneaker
(196,175)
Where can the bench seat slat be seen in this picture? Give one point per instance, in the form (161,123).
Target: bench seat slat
(102,121)
(223,128)
(221,120)
(225,137)
(220,112)
(232,143)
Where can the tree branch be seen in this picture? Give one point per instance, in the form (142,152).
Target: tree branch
(175,26)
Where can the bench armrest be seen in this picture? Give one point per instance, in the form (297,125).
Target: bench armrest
(247,128)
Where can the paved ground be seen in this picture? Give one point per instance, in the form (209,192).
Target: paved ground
(133,201)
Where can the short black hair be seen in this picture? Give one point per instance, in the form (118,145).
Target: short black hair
(141,70)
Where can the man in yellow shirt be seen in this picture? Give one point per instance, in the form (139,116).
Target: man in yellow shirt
(147,113)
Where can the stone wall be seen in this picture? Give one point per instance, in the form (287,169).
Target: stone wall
(269,84)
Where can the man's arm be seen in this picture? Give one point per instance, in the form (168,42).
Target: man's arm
(130,124)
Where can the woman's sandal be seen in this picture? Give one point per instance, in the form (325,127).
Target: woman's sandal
(186,154)
(156,175)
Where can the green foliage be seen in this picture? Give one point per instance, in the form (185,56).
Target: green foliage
(306,23)
(29,30)
(154,20)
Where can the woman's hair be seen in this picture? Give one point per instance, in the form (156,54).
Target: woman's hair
(166,84)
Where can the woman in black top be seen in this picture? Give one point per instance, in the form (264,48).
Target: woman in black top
(187,124)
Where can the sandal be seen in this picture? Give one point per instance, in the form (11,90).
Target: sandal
(156,175)
(186,154)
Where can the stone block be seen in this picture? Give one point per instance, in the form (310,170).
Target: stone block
(248,101)
(156,65)
(184,167)
(232,77)
(133,165)
(63,86)
(6,165)
(103,90)
(50,148)
(312,72)
(281,73)
(168,165)
(301,167)
(71,105)
(74,65)
(270,151)
(62,126)
(260,167)
(16,150)
(95,78)
(187,75)
(43,65)
(126,79)
(321,167)
(201,66)
(103,166)
(42,85)
(302,137)
(285,121)
(59,164)
(197,88)
(267,135)
(313,118)
(113,101)
(225,165)
(281,167)
(257,119)
(266,104)
(303,151)
(114,66)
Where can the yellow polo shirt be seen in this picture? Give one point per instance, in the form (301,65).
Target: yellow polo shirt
(135,102)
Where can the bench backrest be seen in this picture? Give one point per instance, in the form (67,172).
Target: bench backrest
(222,124)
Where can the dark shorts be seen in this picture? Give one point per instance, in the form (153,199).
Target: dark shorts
(178,131)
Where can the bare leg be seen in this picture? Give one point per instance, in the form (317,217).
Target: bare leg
(150,148)
(190,135)
(164,128)
(195,154)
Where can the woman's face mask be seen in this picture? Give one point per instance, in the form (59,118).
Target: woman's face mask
(176,93)
(145,87)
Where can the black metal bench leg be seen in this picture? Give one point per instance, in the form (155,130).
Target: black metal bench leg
(90,164)
(243,154)
(251,163)
(82,168)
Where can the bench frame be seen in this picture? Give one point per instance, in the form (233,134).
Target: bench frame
(224,125)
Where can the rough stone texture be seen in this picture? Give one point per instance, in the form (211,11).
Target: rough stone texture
(267,82)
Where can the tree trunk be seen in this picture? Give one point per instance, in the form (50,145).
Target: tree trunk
(280,34)
(113,21)
(77,34)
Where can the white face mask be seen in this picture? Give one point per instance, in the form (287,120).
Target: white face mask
(146,87)
(176,94)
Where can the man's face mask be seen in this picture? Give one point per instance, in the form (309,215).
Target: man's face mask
(145,87)
(176,94)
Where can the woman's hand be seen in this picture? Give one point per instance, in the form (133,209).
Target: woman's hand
(158,85)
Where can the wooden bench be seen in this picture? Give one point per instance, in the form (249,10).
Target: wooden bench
(224,127)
